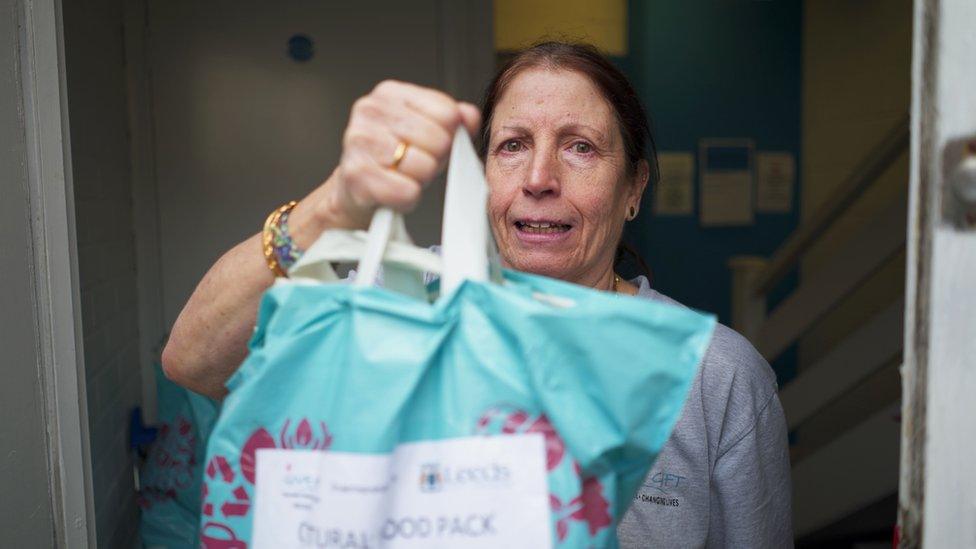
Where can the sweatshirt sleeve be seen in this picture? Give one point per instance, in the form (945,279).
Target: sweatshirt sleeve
(750,497)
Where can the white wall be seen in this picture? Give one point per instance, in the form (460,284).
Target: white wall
(241,128)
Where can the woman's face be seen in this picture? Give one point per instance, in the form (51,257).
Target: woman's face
(557,170)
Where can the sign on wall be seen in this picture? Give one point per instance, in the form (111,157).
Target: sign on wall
(673,193)
(775,172)
(726,168)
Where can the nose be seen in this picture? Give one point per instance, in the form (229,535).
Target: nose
(543,179)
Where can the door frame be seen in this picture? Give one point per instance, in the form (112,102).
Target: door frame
(937,493)
(54,259)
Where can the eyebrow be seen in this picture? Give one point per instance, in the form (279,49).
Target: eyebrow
(574,126)
(578,125)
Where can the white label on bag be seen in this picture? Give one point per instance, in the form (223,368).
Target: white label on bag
(462,492)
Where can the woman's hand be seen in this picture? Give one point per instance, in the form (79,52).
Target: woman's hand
(209,339)
(393,113)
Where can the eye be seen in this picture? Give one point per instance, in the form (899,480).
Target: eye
(512,145)
(582,147)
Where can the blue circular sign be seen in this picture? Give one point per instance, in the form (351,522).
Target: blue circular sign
(300,47)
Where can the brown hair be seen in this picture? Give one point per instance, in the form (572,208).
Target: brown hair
(616,89)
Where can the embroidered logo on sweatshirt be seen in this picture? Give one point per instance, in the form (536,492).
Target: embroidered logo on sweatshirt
(661,488)
(665,482)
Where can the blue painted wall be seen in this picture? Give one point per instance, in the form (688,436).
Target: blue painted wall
(707,68)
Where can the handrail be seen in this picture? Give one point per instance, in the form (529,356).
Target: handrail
(867,172)
(853,261)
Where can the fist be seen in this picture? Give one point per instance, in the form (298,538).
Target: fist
(369,175)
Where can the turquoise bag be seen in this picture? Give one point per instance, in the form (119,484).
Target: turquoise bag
(171,477)
(343,378)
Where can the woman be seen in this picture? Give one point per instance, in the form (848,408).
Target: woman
(564,140)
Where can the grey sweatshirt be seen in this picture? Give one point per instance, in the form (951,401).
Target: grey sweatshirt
(723,478)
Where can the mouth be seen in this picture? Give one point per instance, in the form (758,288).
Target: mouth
(542,227)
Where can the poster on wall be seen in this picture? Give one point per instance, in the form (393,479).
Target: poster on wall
(726,181)
(673,192)
(775,172)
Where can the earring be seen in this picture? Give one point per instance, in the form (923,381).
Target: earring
(633,213)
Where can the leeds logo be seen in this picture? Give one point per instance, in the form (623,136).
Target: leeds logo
(430,477)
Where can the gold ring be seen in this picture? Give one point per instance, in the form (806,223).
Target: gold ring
(401,151)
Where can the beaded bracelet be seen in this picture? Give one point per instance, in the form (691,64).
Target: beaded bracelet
(280,250)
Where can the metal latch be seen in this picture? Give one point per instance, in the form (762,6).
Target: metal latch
(960,199)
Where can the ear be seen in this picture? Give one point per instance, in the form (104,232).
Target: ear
(639,184)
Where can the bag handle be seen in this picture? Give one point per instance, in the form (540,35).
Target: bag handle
(465,236)
(467,247)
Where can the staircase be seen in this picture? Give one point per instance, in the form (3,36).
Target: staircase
(843,408)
